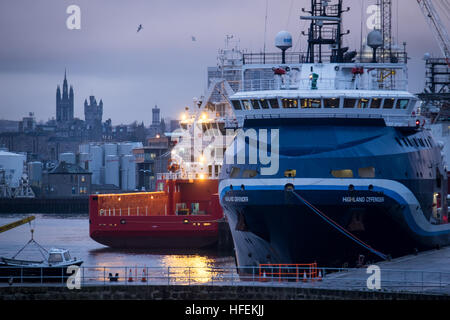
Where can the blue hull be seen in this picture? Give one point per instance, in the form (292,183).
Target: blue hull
(392,211)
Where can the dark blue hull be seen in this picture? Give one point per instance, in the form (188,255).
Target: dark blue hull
(393,212)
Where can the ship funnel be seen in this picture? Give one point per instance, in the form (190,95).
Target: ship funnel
(375,40)
(283,41)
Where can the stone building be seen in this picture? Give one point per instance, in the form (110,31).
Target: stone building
(67,181)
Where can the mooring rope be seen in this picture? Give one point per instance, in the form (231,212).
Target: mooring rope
(340,228)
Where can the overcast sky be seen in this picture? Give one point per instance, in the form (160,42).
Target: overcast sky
(161,64)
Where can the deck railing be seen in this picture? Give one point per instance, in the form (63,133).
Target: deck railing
(419,281)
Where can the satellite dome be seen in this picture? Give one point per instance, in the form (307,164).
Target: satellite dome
(375,39)
(283,40)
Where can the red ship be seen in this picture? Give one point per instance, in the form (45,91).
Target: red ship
(184,211)
(184,215)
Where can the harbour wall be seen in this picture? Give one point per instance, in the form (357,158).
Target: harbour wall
(202,292)
(44,205)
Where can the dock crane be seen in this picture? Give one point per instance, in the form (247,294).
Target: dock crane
(436,26)
(17,223)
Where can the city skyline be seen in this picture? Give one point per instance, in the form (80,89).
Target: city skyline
(166,62)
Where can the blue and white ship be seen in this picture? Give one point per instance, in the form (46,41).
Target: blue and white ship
(332,161)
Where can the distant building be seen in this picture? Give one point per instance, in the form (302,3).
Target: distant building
(158,126)
(64,103)
(93,114)
(28,124)
(67,180)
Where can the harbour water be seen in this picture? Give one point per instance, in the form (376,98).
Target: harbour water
(72,232)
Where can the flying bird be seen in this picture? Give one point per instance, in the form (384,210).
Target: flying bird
(193,38)
(140,28)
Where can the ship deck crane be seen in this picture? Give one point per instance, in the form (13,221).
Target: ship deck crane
(436,26)
(17,223)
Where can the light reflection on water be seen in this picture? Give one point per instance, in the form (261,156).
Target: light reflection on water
(72,232)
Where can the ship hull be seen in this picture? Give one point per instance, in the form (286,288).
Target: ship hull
(388,198)
(184,214)
(275,226)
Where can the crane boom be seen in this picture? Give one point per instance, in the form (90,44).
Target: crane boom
(17,223)
(436,25)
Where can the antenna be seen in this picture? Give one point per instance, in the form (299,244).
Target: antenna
(265,30)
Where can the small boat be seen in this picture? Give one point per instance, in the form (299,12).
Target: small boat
(52,268)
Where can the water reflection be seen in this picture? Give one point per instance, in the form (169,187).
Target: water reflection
(72,232)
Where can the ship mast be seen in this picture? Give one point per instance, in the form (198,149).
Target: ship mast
(325,29)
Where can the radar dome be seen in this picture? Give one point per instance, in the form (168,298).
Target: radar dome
(283,40)
(375,39)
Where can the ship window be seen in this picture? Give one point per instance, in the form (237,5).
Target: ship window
(246,105)
(349,103)
(405,142)
(234,172)
(236,104)
(67,256)
(415,142)
(402,103)
(55,258)
(249,173)
(274,103)
(368,172)
(255,104)
(421,142)
(310,103)
(363,103)
(345,173)
(429,140)
(398,141)
(376,103)
(388,103)
(289,103)
(264,104)
(331,103)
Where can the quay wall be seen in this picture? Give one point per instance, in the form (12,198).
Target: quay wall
(201,292)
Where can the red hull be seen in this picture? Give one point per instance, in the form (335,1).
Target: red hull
(184,215)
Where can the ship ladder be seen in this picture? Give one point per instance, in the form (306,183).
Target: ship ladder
(339,228)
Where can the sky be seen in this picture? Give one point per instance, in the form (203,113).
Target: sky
(132,71)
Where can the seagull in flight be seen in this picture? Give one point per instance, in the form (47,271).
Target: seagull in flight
(140,28)
(193,38)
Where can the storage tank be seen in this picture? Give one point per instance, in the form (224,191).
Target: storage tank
(128,172)
(96,163)
(12,164)
(125,148)
(112,170)
(35,173)
(110,149)
(84,148)
(68,157)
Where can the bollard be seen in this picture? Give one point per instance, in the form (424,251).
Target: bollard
(144,277)
(130,278)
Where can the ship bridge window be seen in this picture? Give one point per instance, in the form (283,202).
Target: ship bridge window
(289,103)
(363,103)
(331,103)
(368,172)
(249,173)
(236,104)
(421,142)
(310,103)
(67,256)
(349,103)
(376,103)
(398,141)
(388,103)
(345,173)
(246,105)
(264,104)
(234,172)
(402,104)
(55,258)
(274,103)
(255,104)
